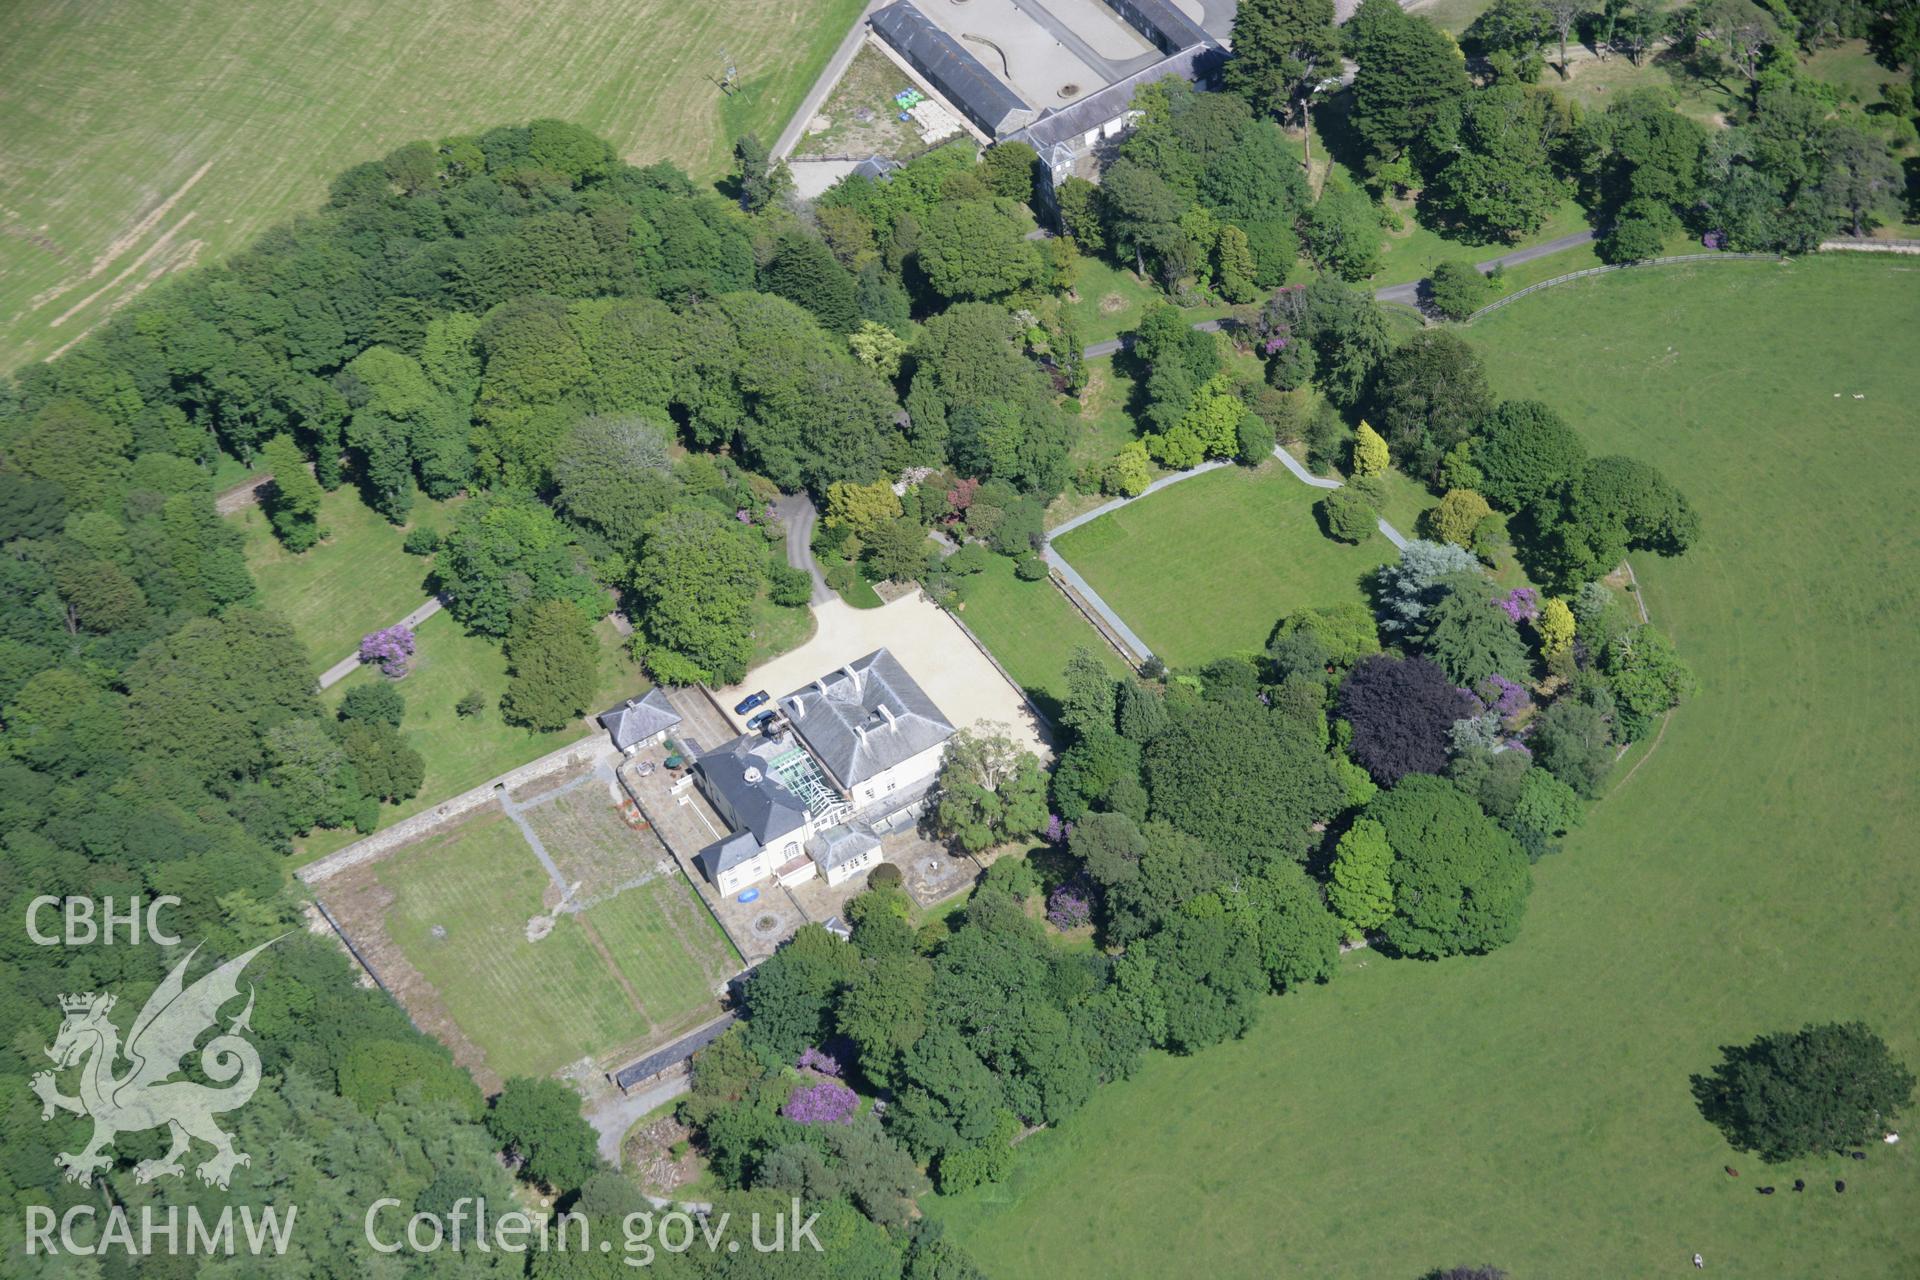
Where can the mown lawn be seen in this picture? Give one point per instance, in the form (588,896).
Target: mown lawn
(139,139)
(533,1007)
(464,751)
(1531,1108)
(1207,566)
(1111,300)
(1031,628)
(357,580)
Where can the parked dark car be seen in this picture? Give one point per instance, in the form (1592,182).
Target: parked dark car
(760,721)
(748,703)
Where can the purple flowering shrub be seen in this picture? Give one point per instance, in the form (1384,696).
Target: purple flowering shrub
(821,1101)
(819,1063)
(389,649)
(1070,906)
(1503,697)
(1714,240)
(1057,829)
(1522,604)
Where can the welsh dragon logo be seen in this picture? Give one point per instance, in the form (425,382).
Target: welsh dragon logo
(145,1097)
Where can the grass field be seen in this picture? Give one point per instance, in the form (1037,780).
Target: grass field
(140,138)
(356,581)
(1031,629)
(1209,565)
(463,752)
(630,970)
(1111,301)
(1531,1108)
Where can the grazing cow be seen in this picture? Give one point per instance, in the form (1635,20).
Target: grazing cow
(1858,1155)
(1731,1171)
(1765,1191)
(1839,1186)
(1799,1184)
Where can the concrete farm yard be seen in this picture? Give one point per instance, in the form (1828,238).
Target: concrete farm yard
(139,140)
(1532,1105)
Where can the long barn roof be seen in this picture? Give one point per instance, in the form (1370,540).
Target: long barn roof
(959,76)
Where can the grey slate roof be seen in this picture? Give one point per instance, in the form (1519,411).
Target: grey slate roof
(640,718)
(865,718)
(747,792)
(676,1053)
(726,853)
(1069,123)
(959,76)
(1161,22)
(841,844)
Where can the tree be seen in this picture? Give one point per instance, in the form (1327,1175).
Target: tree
(1370,453)
(613,474)
(1081,214)
(1731,35)
(1555,627)
(977,249)
(1809,1092)
(989,790)
(789,1000)
(1458,290)
(1647,677)
(897,550)
(1342,634)
(1489,163)
(1402,712)
(539,1121)
(695,581)
(1360,890)
(1862,178)
(1248,781)
(763,180)
(1210,976)
(804,271)
(1610,506)
(1509,34)
(1455,517)
(1344,230)
(1431,392)
(879,348)
(1561,16)
(1573,741)
(1130,471)
(292,500)
(374,704)
(504,552)
(861,508)
(1469,637)
(1347,514)
(1523,449)
(1298,939)
(1350,339)
(1409,71)
(554,662)
(1460,883)
(1281,50)
(1406,587)
(1009,168)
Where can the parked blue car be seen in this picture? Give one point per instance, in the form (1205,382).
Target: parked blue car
(748,703)
(760,721)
